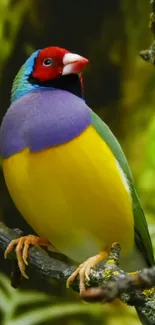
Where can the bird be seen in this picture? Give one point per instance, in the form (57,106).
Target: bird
(66,172)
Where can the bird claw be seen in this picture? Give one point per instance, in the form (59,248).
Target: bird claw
(22,250)
(84,270)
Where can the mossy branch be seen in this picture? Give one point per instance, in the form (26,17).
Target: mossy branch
(149,54)
(106,283)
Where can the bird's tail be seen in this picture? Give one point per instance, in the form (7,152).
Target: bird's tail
(144,319)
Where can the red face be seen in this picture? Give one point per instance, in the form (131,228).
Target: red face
(52,62)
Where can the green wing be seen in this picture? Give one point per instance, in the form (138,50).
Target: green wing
(142,237)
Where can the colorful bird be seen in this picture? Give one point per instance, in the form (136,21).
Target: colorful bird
(65,170)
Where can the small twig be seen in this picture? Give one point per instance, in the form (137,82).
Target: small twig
(149,54)
(153,9)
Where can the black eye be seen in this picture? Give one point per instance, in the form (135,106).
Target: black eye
(47,62)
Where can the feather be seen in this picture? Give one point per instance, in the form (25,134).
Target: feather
(142,237)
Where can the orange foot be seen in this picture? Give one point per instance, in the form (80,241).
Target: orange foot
(22,249)
(84,270)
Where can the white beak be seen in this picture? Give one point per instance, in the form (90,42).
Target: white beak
(73,63)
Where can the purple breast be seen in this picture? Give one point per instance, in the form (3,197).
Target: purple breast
(42,119)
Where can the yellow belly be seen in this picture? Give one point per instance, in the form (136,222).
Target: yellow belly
(74,195)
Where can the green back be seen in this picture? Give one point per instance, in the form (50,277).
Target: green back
(142,237)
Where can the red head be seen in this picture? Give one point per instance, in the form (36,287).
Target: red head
(51,67)
(53,62)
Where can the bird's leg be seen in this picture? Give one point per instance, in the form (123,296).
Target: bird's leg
(22,249)
(84,270)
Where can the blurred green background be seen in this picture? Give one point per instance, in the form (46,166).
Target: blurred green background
(119,86)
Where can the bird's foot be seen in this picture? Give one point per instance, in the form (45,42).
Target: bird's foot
(135,275)
(84,270)
(22,249)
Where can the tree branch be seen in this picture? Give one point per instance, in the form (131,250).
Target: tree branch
(149,54)
(106,283)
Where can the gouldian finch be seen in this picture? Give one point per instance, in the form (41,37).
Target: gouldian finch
(65,170)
